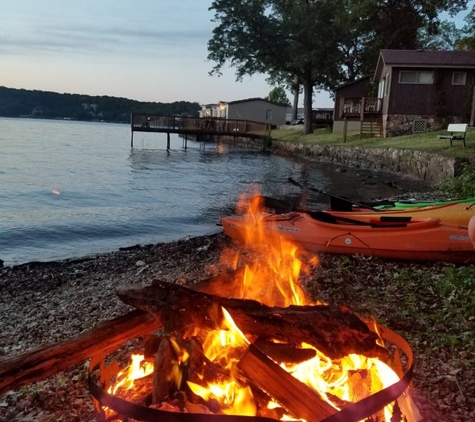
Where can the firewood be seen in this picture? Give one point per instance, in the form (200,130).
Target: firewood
(333,330)
(284,353)
(301,401)
(45,361)
(194,367)
(165,365)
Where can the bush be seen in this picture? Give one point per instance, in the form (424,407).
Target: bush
(462,186)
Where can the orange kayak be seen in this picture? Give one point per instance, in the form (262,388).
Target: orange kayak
(471,230)
(457,213)
(400,237)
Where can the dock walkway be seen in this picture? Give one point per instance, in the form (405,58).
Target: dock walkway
(197,126)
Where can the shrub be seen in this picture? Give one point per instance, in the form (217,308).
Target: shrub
(462,186)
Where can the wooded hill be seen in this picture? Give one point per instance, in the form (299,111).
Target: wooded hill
(52,105)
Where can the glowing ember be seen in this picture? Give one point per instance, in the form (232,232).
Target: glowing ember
(273,279)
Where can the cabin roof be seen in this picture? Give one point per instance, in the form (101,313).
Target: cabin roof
(425,58)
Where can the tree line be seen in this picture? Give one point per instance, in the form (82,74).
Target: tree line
(321,44)
(52,105)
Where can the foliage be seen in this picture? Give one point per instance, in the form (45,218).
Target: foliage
(461,186)
(447,37)
(467,41)
(52,105)
(278,96)
(368,26)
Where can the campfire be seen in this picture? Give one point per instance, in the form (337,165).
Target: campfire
(251,343)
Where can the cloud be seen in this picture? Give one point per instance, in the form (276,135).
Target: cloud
(104,28)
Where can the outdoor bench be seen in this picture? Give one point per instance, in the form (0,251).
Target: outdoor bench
(457,132)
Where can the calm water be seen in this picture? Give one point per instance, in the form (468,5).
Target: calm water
(71,189)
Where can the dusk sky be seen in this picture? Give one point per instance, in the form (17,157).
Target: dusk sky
(146,50)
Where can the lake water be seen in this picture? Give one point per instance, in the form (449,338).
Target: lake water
(72,189)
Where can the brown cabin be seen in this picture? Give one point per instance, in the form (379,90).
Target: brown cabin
(411,91)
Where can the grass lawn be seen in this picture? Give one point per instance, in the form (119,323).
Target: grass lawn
(428,142)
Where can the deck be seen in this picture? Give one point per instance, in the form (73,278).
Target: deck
(197,126)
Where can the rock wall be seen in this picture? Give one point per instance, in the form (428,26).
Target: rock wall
(416,165)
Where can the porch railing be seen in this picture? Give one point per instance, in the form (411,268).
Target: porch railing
(360,107)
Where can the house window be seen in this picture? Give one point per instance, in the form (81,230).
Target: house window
(459,78)
(268,114)
(416,77)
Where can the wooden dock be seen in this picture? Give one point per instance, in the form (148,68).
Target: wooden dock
(199,127)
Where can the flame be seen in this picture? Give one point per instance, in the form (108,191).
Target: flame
(139,368)
(275,280)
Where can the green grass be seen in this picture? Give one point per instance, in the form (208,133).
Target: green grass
(428,142)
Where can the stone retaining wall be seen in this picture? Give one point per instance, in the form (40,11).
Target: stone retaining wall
(420,166)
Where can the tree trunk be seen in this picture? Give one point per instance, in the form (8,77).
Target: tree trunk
(307,106)
(295,107)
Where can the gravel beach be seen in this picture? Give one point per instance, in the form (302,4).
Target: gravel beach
(45,303)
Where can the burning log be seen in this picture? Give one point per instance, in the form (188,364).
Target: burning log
(48,360)
(165,364)
(293,395)
(333,330)
(285,353)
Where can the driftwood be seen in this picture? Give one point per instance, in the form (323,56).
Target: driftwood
(332,330)
(48,360)
(293,395)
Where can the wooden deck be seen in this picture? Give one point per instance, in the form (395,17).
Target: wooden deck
(197,126)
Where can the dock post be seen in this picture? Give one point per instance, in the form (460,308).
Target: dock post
(168,140)
(131,130)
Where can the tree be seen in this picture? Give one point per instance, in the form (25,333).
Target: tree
(367,26)
(466,41)
(287,37)
(447,37)
(278,95)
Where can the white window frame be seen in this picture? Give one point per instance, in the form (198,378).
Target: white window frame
(463,76)
(269,114)
(387,84)
(418,77)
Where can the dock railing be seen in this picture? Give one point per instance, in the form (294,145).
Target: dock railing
(198,125)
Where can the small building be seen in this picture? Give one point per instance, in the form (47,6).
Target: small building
(348,98)
(411,91)
(252,109)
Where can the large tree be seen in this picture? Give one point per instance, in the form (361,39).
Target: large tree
(367,26)
(287,37)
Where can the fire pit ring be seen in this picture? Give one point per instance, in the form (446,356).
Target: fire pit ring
(352,413)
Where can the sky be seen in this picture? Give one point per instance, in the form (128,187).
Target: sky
(145,50)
